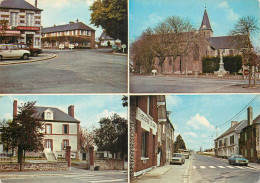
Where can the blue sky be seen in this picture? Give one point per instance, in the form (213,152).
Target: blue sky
(89,109)
(195,117)
(60,12)
(222,13)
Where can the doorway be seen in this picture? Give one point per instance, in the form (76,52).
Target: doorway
(29,39)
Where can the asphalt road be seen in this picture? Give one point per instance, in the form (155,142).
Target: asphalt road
(77,71)
(162,84)
(207,169)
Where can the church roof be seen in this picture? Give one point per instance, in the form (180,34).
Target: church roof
(104,36)
(205,24)
(225,42)
(67,27)
(18,4)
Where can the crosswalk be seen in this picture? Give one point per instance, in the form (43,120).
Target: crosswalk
(223,167)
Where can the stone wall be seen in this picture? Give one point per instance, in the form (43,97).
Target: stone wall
(110,164)
(34,166)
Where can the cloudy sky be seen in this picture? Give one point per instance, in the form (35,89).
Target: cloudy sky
(58,12)
(222,13)
(89,109)
(195,117)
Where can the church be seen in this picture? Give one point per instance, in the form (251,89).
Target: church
(208,46)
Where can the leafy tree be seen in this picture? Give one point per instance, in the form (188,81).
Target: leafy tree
(125,101)
(179,143)
(112,16)
(112,135)
(246,26)
(86,138)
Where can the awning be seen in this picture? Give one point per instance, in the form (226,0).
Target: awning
(11,33)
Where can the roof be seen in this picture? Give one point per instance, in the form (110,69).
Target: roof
(67,27)
(236,128)
(17,4)
(224,42)
(257,120)
(58,114)
(205,24)
(105,36)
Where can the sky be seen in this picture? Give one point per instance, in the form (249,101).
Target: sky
(88,109)
(223,14)
(59,12)
(195,117)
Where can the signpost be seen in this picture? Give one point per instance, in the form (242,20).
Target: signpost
(246,72)
(61,46)
(71,46)
(123,46)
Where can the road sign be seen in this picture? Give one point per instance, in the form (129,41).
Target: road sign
(71,46)
(246,72)
(123,46)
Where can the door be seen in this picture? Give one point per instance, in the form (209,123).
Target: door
(48,145)
(29,39)
(158,159)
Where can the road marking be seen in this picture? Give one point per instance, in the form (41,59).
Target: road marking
(221,167)
(212,167)
(239,167)
(230,166)
(194,167)
(114,180)
(202,167)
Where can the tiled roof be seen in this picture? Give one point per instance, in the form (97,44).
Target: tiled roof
(67,27)
(104,36)
(257,120)
(58,114)
(205,24)
(17,4)
(224,42)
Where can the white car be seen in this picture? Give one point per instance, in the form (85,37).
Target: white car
(12,51)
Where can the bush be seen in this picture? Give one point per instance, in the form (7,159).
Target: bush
(210,64)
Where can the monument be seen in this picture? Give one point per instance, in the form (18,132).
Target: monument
(221,71)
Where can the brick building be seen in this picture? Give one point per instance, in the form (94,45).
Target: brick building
(76,33)
(249,144)
(143,134)
(23,22)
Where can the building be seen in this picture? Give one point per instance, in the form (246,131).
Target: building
(60,130)
(227,144)
(23,23)
(143,134)
(106,40)
(165,133)
(249,144)
(206,46)
(76,33)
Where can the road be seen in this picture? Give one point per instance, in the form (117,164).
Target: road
(207,169)
(77,71)
(82,176)
(163,84)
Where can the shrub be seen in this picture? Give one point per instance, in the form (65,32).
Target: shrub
(210,64)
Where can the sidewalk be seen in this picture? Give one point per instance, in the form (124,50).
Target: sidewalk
(159,170)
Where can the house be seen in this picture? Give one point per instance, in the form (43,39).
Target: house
(106,40)
(206,46)
(60,130)
(23,22)
(249,144)
(76,33)
(165,133)
(227,144)
(143,134)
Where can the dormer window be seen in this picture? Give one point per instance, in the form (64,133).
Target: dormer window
(48,114)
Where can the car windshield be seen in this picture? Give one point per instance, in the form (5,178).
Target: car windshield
(238,156)
(177,155)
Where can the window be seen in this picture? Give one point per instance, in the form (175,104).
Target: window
(231,139)
(14,19)
(144,144)
(65,129)
(220,143)
(65,143)
(37,41)
(48,129)
(29,19)
(225,142)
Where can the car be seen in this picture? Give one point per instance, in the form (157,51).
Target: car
(177,158)
(114,47)
(12,51)
(186,154)
(33,51)
(237,160)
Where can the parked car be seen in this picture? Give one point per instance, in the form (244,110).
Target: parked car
(33,51)
(186,154)
(12,51)
(237,160)
(177,158)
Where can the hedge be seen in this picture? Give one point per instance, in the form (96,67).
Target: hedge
(231,63)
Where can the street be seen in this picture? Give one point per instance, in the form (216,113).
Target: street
(76,71)
(76,176)
(164,84)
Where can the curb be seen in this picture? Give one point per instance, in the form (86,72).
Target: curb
(187,176)
(121,54)
(29,61)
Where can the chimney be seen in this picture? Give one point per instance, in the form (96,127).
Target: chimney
(233,123)
(249,116)
(15,108)
(36,3)
(71,110)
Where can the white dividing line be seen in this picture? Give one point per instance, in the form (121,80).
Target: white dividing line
(114,180)
(239,167)
(194,167)
(221,167)
(230,166)
(212,167)
(202,167)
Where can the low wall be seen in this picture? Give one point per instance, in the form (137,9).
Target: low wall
(110,164)
(57,166)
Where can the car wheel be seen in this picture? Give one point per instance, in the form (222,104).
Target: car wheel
(25,56)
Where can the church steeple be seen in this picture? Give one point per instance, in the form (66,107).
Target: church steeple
(205,25)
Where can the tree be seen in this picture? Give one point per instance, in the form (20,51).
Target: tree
(179,143)
(112,16)
(246,26)
(86,138)
(125,101)
(24,131)
(112,135)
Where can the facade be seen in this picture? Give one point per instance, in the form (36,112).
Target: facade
(60,130)
(143,134)
(227,144)
(23,23)
(106,40)
(206,46)
(165,133)
(249,144)
(76,33)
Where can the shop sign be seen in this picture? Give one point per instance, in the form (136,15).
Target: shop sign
(27,28)
(146,122)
